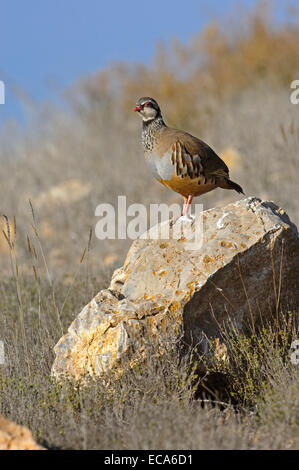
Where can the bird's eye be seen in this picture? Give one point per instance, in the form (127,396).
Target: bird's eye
(148,103)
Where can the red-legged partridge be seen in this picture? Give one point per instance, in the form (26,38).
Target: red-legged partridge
(184,163)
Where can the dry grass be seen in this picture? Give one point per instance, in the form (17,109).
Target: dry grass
(153,405)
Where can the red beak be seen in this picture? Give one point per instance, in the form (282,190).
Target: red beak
(137,108)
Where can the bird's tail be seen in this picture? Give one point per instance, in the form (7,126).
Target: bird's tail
(228,184)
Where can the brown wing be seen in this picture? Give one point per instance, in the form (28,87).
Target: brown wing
(192,157)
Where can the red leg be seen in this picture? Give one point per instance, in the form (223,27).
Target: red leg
(187,204)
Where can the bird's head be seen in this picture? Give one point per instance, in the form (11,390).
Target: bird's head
(148,108)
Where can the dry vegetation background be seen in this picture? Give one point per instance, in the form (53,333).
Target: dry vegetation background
(230,86)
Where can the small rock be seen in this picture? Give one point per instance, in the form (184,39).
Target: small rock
(16,437)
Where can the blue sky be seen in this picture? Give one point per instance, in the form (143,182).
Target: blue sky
(45,45)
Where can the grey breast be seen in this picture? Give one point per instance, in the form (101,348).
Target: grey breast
(161,168)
